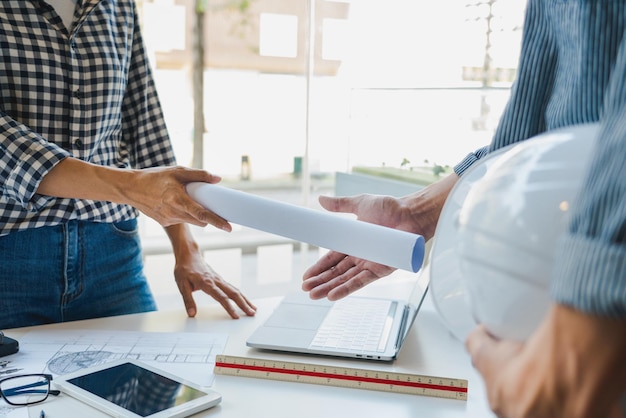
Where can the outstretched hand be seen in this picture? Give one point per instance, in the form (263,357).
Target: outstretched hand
(336,275)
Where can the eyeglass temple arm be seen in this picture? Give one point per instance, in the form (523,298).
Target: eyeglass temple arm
(26,389)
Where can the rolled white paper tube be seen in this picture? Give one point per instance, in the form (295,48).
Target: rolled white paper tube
(380,244)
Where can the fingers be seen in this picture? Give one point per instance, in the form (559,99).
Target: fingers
(190,303)
(320,286)
(190,175)
(236,296)
(336,280)
(353,280)
(327,262)
(196,214)
(224,293)
(479,345)
(324,275)
(161,194)
(173,204)
(489,354)
(497,361)
(213,285)
(223,300)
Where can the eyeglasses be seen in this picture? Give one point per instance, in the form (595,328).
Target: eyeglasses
(26,389)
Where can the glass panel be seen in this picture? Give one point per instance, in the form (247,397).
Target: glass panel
(389,93)
(419,85)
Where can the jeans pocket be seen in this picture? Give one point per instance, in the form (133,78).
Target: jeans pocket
(128,228)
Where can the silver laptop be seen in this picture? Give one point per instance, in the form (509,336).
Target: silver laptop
(358,327)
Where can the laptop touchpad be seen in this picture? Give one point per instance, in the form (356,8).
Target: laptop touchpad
(297,316)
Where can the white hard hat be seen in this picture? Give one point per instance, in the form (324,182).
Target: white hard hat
(494,246)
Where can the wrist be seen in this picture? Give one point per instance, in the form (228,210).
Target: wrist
(183,243)
(120,183)
(424,206)
(124,184)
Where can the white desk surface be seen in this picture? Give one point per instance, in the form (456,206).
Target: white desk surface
(429,350)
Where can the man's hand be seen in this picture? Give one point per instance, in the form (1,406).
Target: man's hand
(193,273)
(336,275)
(159,192)
(571,367)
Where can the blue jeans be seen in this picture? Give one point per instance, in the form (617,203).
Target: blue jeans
(73,271)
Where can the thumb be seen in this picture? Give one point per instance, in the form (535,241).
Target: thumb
(190,175)
(337,204)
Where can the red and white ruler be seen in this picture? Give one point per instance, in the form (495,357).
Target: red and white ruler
(342,376)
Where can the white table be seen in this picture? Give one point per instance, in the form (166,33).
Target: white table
(429,350)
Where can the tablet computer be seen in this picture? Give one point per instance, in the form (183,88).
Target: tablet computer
(130,389)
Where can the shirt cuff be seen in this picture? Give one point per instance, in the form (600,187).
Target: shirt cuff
(23,180)
(590,276)
(470,159)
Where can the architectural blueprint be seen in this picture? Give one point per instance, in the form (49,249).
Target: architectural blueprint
(188,355)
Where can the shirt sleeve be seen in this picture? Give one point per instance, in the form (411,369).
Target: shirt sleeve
(145,134)
(470,159)
(25,158)
(590,268)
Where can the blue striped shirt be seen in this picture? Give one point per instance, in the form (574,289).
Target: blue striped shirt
(85,91)
(572,70)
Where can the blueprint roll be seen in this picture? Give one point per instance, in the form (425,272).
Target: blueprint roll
(388,246)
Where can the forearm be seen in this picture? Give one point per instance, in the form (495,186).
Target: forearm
(588,359)
(77,179)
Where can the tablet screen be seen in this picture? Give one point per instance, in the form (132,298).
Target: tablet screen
(136,389)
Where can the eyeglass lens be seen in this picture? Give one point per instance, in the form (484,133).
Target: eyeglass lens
(26,389)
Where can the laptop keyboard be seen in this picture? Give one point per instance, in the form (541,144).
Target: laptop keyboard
(356,324)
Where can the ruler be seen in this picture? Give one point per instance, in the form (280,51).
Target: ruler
(342,376)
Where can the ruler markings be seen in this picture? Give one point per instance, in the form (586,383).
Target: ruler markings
(341,376)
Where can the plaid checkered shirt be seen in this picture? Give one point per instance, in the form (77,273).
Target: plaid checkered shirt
(86,92)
